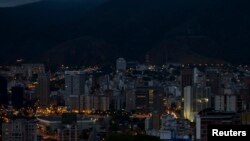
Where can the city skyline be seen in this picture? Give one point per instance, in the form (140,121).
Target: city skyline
(162,101)
(124,70)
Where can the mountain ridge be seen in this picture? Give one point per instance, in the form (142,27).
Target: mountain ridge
(133,29)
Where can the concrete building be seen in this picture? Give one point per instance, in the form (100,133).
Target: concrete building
(89,102)
(101,102)
(170,128)
(68,133)
(188,114)
(74,82)
(245,118)
(148,124)
(205,118)
(156,120)
(198,77)
(226,103)
(76,102)
(19,130)
(186,78)
(31,69)
(121,64)
(213,81)
(196,99)
(149,99)
(74,89)
(3,91)
(168,122)
(43,90)
(97,102)
(17,96)
(130,100)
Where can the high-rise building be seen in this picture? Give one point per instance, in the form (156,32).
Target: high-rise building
(17,96)
(226,103)
(158,100)
(148,123)
(101,102)
(68,133)
(69,129)
(74,82)
(245,98)
(168,122)
(141,101)
(43,90)
(118,100)
(76,102)
(205,118)
(201,97)
(186,78)
(74,88)
(148,99)
(19,130)
(156,120)
(130,100)
(195,100)
(188,102)
(31,69)
(198,77)
(3,91)
(121,64)
(88,102)
(97,102)
(213,81)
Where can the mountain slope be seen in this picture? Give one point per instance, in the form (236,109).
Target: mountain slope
(217,29)
(30,30)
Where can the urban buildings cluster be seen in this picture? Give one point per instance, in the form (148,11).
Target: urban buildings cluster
(173,101)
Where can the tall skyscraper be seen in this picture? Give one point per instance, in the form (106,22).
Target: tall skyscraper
(226,103)
(19,130)
(74,88)
(130,100)
(213,81)
(141,101)
(156,120)
(68,133)
(207,118)
(30,69)
(188,102)
(118,100)
(101,102)
(186,78)
(149,99)
(17,96)
(43,89)
(3,91)
(121,64)
(196,99)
